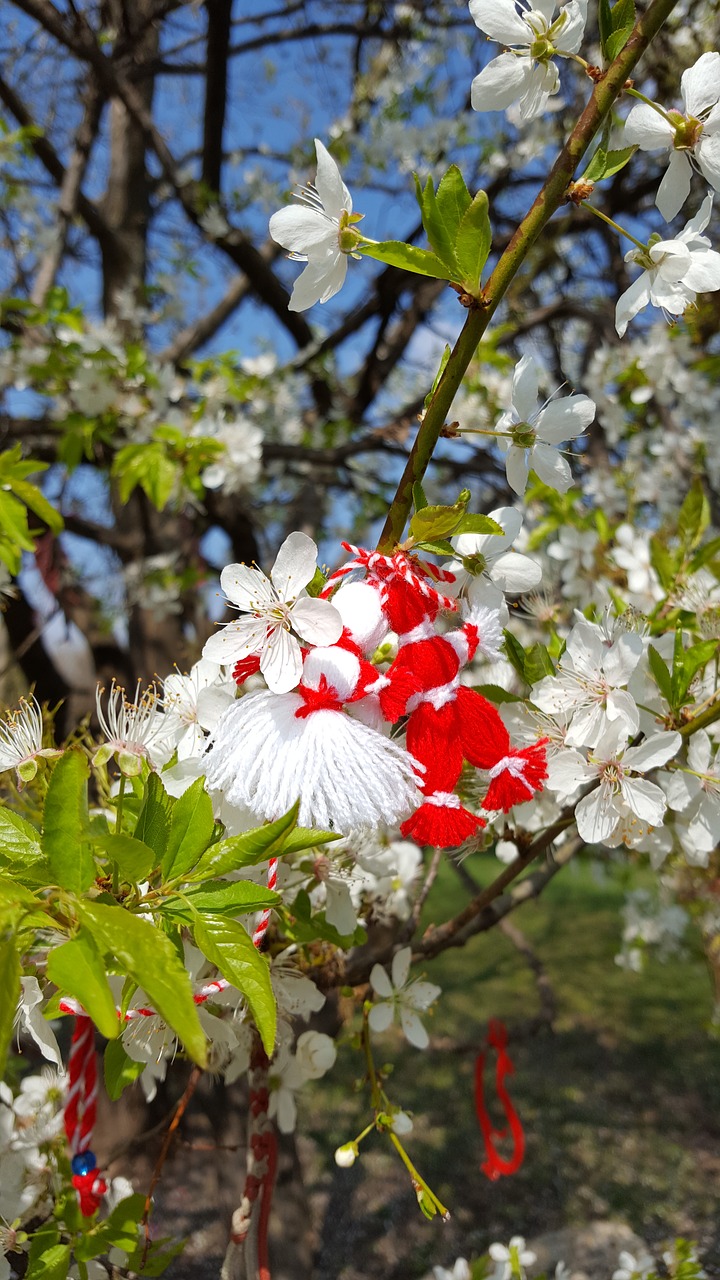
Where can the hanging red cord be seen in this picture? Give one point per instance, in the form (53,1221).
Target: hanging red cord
(495,1166)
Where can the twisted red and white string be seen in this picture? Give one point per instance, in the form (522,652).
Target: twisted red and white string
(81,1102)
(400,565)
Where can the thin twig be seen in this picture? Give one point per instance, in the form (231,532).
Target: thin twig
(180,1110)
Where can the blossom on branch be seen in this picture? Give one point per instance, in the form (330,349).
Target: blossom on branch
(398,996)
(676,271)
(277,607)
(319,232)
(530,433)
(525,73)
(692,135)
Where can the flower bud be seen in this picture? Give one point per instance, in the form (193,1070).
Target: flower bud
(346,1155)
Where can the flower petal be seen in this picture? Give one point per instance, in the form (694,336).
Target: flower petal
(564,419)
(316,620)
(381,1016)
(500,21)
(246,587)
(675,186)
(413,1028)
(329,185)
(654,751)
(380,982)
(551,467)
(237,640)
(700,84)
(645,799)
(294,566)
(500,83)
(704,273)
(401,967)
(525,389)
(516,469)
(515,573)
(301,230)
(597,816)
(647,129)
(281,661)
(631,302)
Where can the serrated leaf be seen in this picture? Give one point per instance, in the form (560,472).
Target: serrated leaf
(478,524)
(239,897)
(437,547)
(153,821)
(663,561)
(191,831)
(133,858)
(33,498)
(19,840)
(694,517)
(495,693)
(660,673)
(120,1069)
(228,946)
(605,164)
(438,233)
(473,242)
(623,21)
(10,987)
(149,958)
(395,253)
(441,369)
(515,654)
(538,663)
(419,499)
(77,968)
(305,838)
(53,1264)
(436,522)
(120,1230)
(453,200)
(64,838)
(248,849)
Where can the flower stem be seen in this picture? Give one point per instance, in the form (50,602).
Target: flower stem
(547,202)
(635,93)
(615,225)
(417,1180)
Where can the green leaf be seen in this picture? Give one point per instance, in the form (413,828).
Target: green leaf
(10,987)
(419,499)
(440,235)
(120,1069)
(515,654)
(694,517)
(153,821)
(697,657)
(19,840)
(678,668)
(478,524)
(248,849)
(537,663)
(150,959)
(191,831)
(473,243)
(704,554)
(305,838)
(228,946)
(53,1264)
(495,693)
(436,522)
(64,839)
(436,547)
(38,503)
(409,258)
(133,858)
(663,561)
(301,925)
(605,164)
(604,22)
(148,466)
(660,673)
(623,23)
(443,361)
(239,897)
(453,200)
(120,1230)
(76,967)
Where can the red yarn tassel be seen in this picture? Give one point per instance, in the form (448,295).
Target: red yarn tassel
(495,1166)
(440,826)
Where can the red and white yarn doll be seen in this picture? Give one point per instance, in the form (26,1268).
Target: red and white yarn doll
(269,750)
(447,722)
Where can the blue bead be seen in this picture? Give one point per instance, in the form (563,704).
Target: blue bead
(83,1163)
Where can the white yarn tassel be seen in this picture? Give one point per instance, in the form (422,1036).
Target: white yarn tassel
(345,774)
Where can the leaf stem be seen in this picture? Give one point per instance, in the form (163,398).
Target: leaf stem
(547,202)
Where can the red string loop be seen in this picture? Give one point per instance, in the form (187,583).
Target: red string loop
(496,1166)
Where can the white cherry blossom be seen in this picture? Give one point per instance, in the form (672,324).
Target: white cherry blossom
(530,433)
(589,685)
(692,135)
(675,271)
(21,740)
(525,73)
(510,1260)
(491,568)
(398,996)
(277,607)
(193,705)
(694,791)
(621,793)
(318,232)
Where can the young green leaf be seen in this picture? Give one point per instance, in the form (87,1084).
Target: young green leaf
(397,254)
(605,164)
(133,858)
(441,369)
(53,1264)
(473,242)
(191,831)
(623,21)
(248,849)
(305,838)
(10,987)
(440,234)
(153,821)
(120,1230)
(436,522)
(150,960)
(230,947)
(239,897)
(660,673)
(478,524)
(120,1069)
(537,663)
(453,200)
(516,654)
(64,838)
(694,517)
(419,499)
(77,968)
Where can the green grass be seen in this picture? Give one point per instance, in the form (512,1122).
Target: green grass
(620,1102)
